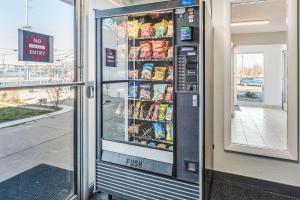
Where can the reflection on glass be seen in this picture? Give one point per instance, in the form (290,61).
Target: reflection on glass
(36,143)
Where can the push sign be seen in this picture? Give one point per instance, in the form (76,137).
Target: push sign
(35,47)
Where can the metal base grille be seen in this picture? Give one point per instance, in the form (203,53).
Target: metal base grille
(136,185)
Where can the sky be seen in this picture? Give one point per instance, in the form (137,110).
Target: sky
(50,17)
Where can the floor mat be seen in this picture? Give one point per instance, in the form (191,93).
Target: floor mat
(42,182)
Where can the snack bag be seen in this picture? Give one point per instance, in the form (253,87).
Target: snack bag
(147,132)
(130,109)
(170,133)
(134,52)
(170,53)
(170,73)
(171,148)
(155,113)
(152,145)
(161,145)
(159,49)
(134,29)
(136,109)
(161,28)
(159,130)
(145,91)
(151,109)
(162,111)
(133,90)
(122,30)
(170,29)
(159,91)
(143,142)
(169,113)
(133,74)
(133,130)
(169,94)
(159,73)
(146,30)
(145,50)
(147,71)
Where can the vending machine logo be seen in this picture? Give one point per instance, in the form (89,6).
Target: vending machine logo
(35,47)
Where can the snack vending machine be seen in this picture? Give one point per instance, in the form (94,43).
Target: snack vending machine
(153,101)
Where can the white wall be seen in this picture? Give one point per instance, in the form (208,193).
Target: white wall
(273,64)
(258,167)
(259,38)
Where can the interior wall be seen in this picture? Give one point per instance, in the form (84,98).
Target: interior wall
(259,38)
(247,165)
(272,71)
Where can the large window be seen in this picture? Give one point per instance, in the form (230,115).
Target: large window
(38,100)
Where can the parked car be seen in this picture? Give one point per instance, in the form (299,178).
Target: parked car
(251,81)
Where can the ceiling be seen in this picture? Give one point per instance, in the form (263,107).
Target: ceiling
(272,10)
(70,2)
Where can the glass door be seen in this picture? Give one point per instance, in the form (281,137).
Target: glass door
(137,84)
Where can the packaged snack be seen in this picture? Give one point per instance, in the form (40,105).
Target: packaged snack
(169,93)
(170,29)
(130,109)
(160,48)
(169,113)
(147,71)
(134,29)
(161,28)
(159,73)
(133,74)
(133,90)
(134,52)
(143,142)
(170,73)
(122,30)
(170,53)
(136,109)
(147,132)
(155,113)
(159,91)
(145,50)
(147,30)
(162,111)
(145,91)
(170,133)
(161,145)
(133,129)
(159,130)
(171,148)
(150,111)
(152,145)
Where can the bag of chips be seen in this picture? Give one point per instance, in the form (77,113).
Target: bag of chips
(134,52)
(133,90)
(147,132)
(143,142)
(169,113)
(133,74)
(162,111)
(122,30)
(134,29)
(170,53)
(159,91)
(145,50)
(161,28)
(147,30)
(152,145)
(136,109)
(161,145)
(159,49)
(170,29)
(159,73)
(170,73)
(171,147)
(169,93)
(169,130)
(159,130)
(145,91)
(130,109)
(133,130)
(150,111)
(155,113)
(147,71)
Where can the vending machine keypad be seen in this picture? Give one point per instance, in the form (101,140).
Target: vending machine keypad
(187,69)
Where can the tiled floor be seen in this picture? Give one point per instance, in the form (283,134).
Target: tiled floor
(260,127)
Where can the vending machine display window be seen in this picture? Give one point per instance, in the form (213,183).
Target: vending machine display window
(137,93)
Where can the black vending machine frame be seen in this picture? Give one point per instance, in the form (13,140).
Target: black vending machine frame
(174,189)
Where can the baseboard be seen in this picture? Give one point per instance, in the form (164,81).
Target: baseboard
(269,186)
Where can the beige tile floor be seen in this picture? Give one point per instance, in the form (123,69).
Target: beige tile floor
(260,127)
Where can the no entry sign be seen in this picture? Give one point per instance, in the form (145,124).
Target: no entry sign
(35,47)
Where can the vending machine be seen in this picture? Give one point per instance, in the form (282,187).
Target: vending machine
(154,116)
